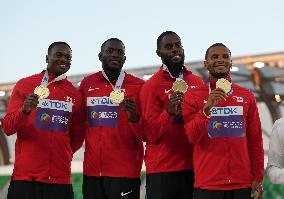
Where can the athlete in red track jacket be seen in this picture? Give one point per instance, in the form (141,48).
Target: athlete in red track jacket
(228,150)
(114,149)
(167,146)
(167,150)
(49,130)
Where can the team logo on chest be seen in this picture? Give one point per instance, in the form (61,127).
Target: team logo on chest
(53,115)
(102,112)
(226,122)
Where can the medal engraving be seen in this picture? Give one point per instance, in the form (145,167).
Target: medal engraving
(224,84)
(116,97)
(42,92)
(180,85)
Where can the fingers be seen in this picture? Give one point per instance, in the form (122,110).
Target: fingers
(252,191)
(176,98)
(260,192)
(217,95)
(256,187)
(129,105)
(30,102)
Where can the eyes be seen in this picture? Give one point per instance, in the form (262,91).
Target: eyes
(119,51)
(170,46)
(216,56)
(60,55)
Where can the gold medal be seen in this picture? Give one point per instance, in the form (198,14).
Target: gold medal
(42,92)
(116,96)
(224,84)
(180,85)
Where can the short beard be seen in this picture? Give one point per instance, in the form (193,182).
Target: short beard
(174,68)
(219,75)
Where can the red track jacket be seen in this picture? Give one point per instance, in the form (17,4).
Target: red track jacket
(49,135)
(167,148)
(114,145)
(228,149)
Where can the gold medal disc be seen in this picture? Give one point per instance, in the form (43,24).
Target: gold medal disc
(116,96)
(224,84)
(42,92)
(180,85)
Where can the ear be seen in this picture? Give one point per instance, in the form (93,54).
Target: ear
(231,64)
(124,59)
(158,52)
(205,64)
(46,59)
(100,56)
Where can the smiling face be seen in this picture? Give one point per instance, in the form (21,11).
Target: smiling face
(112,55)
(59,59)
(171,52)
(218,62)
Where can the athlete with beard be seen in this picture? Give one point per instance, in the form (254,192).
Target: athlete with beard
(45,111)
(114,149)
(168,155)
(224,126)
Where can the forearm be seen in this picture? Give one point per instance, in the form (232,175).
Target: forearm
(156,127)
(196,127)
(13,121)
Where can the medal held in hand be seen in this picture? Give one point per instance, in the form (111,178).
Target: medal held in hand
(42,91)
(116,96)
(225,85)
(180,85)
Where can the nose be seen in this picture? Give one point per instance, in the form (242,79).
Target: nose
(64,59)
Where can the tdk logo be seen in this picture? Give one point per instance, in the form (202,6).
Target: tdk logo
(97,101)
(227,111)
(55,104)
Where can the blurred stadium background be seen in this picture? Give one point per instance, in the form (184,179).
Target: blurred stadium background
(261,73)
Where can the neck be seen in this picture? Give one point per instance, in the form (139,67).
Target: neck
(52,72)
(216,77)
(175,71)
(112,74)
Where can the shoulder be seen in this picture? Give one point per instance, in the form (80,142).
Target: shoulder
(279,123)
(201,92)
(193,79)
(30,80)
(90,79)
(241,89)
(72,90)
(278,130)
(156,77)
(129,78)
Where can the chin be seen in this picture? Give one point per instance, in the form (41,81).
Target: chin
(220,75)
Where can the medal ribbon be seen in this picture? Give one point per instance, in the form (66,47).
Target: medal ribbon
(119,81)
(44,81)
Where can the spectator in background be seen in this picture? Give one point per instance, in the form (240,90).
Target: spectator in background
(275,166)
